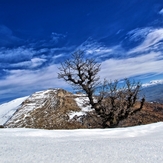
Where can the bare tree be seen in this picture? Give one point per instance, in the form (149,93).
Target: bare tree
(119,101)
(81,73)
(113,103)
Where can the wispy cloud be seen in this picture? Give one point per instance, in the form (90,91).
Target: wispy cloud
(31,80)
(145,58)
(161,12)
(16,54)
(27,77)
(138,33)
(29,58)
(21,58)
(151,41)
(33,63)
(130,67)
(92,47)
(57,36)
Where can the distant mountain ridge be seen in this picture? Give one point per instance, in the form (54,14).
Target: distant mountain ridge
(153,92)
(152,83)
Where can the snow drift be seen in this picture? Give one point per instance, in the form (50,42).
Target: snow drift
(128,145)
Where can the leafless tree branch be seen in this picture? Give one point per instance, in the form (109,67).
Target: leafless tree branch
(113,103)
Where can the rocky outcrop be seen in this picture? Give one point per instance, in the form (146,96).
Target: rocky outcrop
(46,109)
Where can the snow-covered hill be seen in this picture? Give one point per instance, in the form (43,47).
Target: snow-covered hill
(8,109)
(43,109)
(141,144)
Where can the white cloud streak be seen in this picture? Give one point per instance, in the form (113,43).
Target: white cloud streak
(92,47)
(139,33)
(33,63)
(32,80)
(151,40)
(140,65)
(16,54)
(28,77)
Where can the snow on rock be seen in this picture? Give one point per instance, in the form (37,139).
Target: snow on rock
(33,102)
(37,100)
(143,144)
(83,103)
(8,109)
(45,109)
(153,82)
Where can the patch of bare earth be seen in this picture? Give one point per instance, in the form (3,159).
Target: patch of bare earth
(151,113)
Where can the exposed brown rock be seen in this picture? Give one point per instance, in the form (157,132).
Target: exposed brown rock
(48,110)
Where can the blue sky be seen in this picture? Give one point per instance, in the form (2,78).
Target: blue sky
(125,36)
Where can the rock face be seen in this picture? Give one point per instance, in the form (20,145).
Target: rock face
(46,109)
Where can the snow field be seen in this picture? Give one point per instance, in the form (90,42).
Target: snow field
(143,144)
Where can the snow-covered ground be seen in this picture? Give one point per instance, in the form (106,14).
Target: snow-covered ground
(140,144)
(8,109)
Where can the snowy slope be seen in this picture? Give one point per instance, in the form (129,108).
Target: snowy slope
(38,100)
(8,109)
(153,82)
(141,144)
(83,103)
